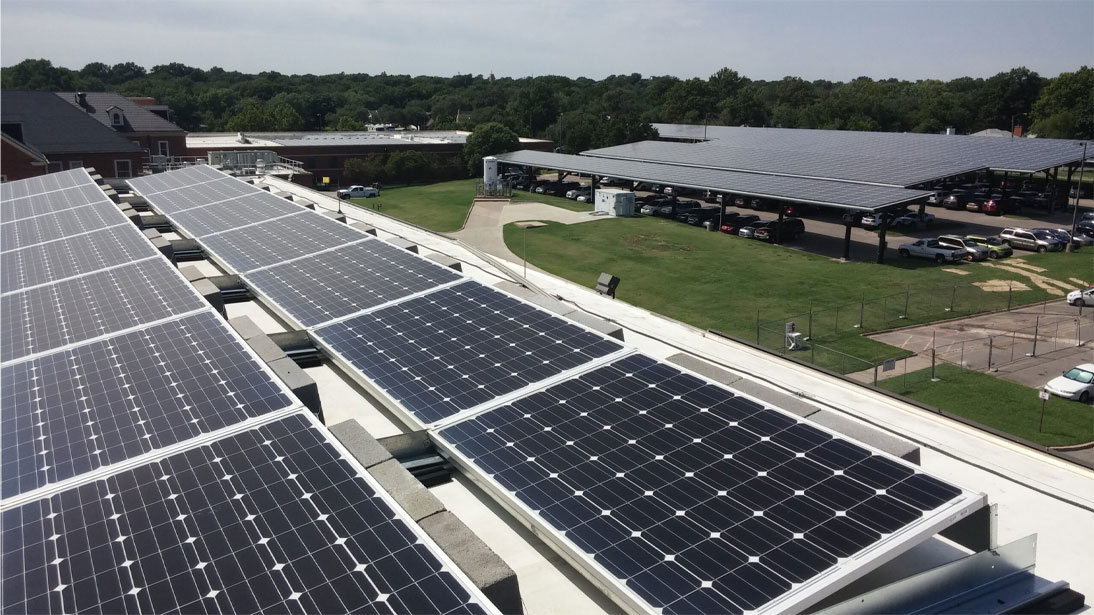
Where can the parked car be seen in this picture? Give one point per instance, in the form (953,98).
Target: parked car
(931,248)
(875,220)
(973,250)
(1085,227)
(937,197)
(734,225)
(358,192)
(1081,297)
(1077,241)
(854,218)
(1040,241)
(996,247)
(956,200)
(725,218)
(1075,383)
(697,217)
(749,230)
(673,208)
(576,192)
(650,208)
(792,228)
(912,220)
(797,210)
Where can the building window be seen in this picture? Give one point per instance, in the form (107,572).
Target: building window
(165,148)
(117,118)
(122,168)
(55,167)
(75,164)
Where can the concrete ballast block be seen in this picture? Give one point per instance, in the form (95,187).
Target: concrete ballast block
(366,228)
(399,242)
(211,294)
(301,384)
(360,443)
(704,368)
(408,492)
(446,261)
(191,273)
(515,289)
(245,327)
(855,430)
(333,215)
(597,324)
(266,349)
(485,569)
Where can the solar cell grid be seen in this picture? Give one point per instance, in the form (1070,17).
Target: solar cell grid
(232,214)
(279,240)
(76,410)
(696,499)
(39,229)
(44,183)
(51,316)
(53,202)
(187,176)
(453,349)
(191,196)
(347,280)
(272,519)
(58,260)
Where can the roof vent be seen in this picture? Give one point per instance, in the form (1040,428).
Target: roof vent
(242,138)
(81,99)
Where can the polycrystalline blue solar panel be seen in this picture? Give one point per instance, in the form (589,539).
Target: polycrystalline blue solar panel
(341,282)
(44,183)
(228,215)
(39,229)
(65,258)
(272,519)
(461,346)
(698,500)
(54,202)
(189,196)
(73,411)
(104,302)
(277,241)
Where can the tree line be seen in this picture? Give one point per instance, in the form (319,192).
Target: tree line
(582,113)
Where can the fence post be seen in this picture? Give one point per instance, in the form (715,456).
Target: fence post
(953,297)
(962,354)
(758,328)
(875,374)
(861,309)
(837,318)
(810,333)
(933,336)
(1079,329)
(1013,340)
(1036,332)
(991,347)
(812,353)
(1010,290)
(907,296)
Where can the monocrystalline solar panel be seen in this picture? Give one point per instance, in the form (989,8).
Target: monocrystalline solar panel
(76,410)
(185,177)
(64,258)
(693,498)
(47,317)
(39,229)
(54,202)
(347,280)
(44,183)
(459,347)
(279,240)
(272,519)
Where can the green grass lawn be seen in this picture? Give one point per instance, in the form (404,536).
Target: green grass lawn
(530,197)
(998,403)
(439,207)
(711,280)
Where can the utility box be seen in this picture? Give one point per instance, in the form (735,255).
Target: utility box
(490,172)
(614,202)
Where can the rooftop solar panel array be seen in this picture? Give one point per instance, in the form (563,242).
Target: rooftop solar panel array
(153,464)
(65,258)
(48,227)
(803,190)
(691,498)
(279,240)
(57,201)
(1020,155)
(44,183)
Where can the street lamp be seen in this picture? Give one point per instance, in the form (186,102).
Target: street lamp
(1078,193)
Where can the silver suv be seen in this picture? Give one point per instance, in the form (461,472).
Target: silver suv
(1025,239)
(973,251)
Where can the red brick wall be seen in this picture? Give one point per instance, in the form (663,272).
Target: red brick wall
(16,164)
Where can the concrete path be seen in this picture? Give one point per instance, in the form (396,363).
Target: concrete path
(483,228)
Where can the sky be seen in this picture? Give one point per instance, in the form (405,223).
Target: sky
(768,40)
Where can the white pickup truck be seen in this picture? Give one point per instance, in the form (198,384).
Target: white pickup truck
(358,192)
(930,248)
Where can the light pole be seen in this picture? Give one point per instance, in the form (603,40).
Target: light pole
(1078,193)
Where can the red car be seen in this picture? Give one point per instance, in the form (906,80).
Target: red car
(734,225)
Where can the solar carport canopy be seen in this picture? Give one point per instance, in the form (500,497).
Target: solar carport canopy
(964,152)
(803,190)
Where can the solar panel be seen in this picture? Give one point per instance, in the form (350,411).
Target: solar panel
(47,227)
(459,347)
(44,183)
(691,499)
(57,260)
(190,196)
(179,178)
(76,410)
(101,303)
(346,280)
(279,240)
(272,519)
(53,202)
(228,215)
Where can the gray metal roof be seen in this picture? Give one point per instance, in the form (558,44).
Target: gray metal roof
(1018,155)
(138,118)
(796,189)
(878,170)
(54,127)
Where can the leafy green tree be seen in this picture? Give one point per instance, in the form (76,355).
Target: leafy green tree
(487,140)
(1065,109)
(408,166)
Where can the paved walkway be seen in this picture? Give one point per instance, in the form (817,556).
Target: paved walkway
(483,228)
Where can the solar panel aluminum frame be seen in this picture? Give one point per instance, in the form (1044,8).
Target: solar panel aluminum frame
(798,599)
(408,417)
(256,422)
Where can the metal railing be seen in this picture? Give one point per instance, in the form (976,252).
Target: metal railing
(502,189)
